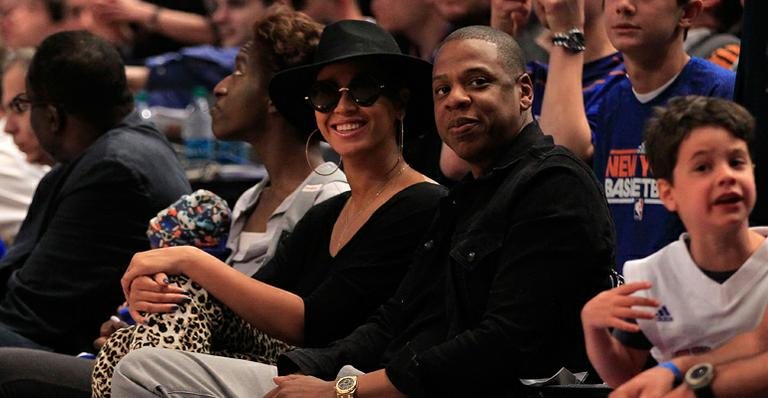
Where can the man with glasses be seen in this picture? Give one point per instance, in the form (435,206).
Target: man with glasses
(60,278)
(22,162)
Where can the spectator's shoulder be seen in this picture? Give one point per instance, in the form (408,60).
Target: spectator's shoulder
(714,80)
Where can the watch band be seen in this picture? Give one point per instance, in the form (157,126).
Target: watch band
(699,379)
(572,40)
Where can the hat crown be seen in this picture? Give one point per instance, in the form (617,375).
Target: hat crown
(351,38)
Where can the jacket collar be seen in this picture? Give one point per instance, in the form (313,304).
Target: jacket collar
(516,148)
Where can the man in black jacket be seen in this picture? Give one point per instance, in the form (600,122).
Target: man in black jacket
(495,292)
(60,279)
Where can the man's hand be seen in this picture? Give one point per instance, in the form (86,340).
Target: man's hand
(560,15)
(298,386)
(654,382)
(611,308)
(510,16)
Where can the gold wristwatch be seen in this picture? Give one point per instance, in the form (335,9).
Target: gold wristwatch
(346,387)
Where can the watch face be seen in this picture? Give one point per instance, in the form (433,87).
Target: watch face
(700,376)
(699,372)
(345,383)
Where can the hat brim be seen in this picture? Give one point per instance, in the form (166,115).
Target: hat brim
(289,87)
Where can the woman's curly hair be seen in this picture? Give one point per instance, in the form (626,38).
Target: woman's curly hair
(286,38)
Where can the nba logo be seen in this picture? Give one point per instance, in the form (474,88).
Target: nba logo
(639,207)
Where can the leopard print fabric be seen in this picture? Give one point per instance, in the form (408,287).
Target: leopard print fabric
(201,325)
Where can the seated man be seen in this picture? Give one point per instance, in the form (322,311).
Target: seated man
(22,162)
(495,290)
(60,279)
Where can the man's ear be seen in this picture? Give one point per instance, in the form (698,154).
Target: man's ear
(666,194)
(54,118)
(526,92)
(690,11)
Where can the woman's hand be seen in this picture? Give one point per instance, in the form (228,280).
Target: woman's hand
(611,308)
(154,294)
(168,261)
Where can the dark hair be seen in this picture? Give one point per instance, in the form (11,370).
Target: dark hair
(285,39)
(84,75)
(510,53)
(673,123)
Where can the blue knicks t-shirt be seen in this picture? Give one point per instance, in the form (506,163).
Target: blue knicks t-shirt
(598,76)
(643,225)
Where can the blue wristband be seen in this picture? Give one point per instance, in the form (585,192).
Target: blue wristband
(675,371)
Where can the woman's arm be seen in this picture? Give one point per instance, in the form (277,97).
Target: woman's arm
(275,311)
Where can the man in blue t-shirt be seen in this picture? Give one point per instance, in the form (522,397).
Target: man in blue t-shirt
(650,36)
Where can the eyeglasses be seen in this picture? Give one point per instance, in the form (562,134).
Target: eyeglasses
(325,95)
(21,103)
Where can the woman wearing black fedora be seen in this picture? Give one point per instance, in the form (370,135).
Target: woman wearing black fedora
(346,256)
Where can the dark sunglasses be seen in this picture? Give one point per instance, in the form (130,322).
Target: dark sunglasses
(21,103)
(325,95)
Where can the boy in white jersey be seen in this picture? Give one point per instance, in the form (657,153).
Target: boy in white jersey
(708,286)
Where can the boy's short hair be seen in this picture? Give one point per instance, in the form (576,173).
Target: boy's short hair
(673,123)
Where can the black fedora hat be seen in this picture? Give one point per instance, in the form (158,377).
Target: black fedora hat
(349,40)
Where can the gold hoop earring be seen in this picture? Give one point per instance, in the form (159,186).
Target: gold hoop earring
(306,157)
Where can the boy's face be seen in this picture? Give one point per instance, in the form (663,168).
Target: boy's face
(650,25)
(714,182)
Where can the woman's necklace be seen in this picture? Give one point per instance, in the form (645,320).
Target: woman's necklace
(353,215)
